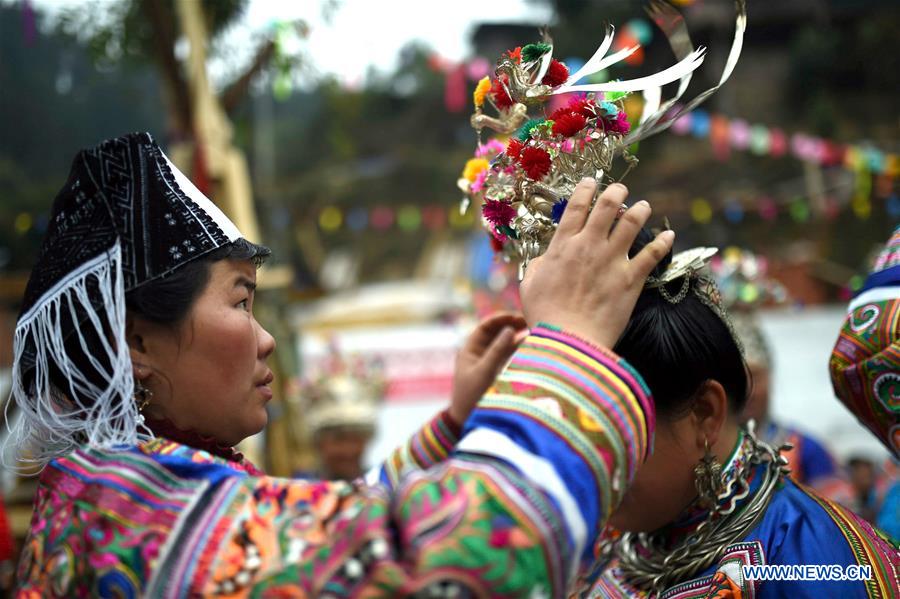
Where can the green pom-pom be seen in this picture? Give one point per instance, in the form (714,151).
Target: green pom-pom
(615,96)
(524,131)
(532,52)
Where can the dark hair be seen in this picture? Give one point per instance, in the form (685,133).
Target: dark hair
(168,300)
(678,347)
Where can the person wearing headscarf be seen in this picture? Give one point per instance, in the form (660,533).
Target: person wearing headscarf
(865,366)
(138,366)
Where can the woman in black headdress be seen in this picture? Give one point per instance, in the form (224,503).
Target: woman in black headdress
(139,365)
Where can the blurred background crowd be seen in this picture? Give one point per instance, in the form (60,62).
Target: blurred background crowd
(335,132)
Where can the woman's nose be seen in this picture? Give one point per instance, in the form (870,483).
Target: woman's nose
(266,342)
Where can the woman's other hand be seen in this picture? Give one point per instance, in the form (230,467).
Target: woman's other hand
(482,356)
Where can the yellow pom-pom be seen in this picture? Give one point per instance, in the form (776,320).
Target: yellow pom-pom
(474,167)
(481,90)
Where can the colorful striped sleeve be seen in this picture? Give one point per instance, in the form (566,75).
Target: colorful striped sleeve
(575,418)
(431,445)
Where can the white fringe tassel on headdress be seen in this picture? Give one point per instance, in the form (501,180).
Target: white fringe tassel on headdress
(53,423)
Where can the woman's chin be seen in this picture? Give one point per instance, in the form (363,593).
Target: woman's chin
(249,427)
(261,419)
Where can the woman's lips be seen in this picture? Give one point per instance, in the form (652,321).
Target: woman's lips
(263,386)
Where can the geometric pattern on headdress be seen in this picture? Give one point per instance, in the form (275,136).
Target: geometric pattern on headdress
(126,190)
(865,361)
(125,216)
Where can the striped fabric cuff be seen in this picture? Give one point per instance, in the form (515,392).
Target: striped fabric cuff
(431,445)
(571,417)
(603,365)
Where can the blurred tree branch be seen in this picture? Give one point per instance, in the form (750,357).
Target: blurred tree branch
(237,90)
(159,14)
(147,31)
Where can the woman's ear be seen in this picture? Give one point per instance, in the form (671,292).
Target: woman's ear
(709,412)
(135,332)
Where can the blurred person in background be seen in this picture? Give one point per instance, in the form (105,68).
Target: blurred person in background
(865,367)
(888,518)
(138,366)
(746,287)
(340,448)
(341,414)
(342,400)
(863,478)
(809,461)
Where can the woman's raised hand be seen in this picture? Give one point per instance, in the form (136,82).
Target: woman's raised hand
(585,283)
(481,358)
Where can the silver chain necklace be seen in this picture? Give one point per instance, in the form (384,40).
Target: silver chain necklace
(647,564)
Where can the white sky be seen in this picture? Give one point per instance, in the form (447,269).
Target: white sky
(363,33)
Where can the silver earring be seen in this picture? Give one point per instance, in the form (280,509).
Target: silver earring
(142,396)
(708,479)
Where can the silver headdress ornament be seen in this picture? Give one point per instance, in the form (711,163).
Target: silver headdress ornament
(522,180)
(692,267)
(684,264)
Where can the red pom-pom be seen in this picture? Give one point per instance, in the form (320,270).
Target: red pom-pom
(515,55)
(556,74)
(514,148)
(568,124)
(622,124)
(500,95)
(559,113)
(581,106)
(498,213)
(535,162)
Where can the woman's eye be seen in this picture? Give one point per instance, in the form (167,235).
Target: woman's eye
(244,304)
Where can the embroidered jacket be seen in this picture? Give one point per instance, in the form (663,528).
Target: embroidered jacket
(513,509)
(798,528)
